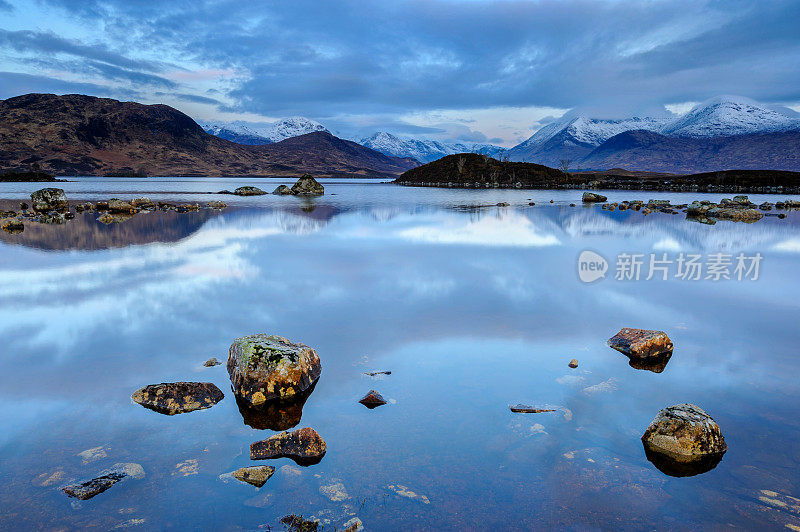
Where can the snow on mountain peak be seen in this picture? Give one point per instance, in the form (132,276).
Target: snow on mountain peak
(421,149)
(728,116)
(292,126)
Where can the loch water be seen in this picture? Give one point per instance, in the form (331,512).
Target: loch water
(471,306)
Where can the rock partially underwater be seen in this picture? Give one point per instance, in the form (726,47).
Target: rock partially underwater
(172,398)
(304,446)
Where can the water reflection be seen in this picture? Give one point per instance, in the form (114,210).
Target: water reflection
(471,311)
(675,468)
(655,364)
(275,415)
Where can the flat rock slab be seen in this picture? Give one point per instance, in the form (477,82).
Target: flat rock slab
(304,446)
(372,400)
(103,481)
(255,475)
(641,343)
(172,398)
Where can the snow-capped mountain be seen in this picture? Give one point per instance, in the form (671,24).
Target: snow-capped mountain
(727,116)
(423,150)
(251,133)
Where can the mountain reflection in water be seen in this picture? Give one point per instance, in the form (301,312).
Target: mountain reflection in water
(470,309)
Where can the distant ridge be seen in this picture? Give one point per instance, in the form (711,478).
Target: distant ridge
(85,135)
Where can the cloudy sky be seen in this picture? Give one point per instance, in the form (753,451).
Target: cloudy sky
(474,70)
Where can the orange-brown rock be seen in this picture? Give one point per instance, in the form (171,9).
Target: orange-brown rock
(304,446)
(641,343)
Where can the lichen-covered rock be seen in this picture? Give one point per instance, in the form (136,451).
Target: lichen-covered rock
(372,400)
(104,480)
(274,415)
(255,475)
(249,191)
(304,446)
(216,205)
(118,206)
(573,363)
(684,433)
(591,197)
(307,186)
(641,343)
(267,367)
(178,397)
(282,190)
(49,199)
(211,362)
(144,203)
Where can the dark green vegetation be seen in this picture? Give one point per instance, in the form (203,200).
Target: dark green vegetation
(469,170)
(29,176)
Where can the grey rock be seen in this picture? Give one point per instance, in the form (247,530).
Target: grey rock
(49,199)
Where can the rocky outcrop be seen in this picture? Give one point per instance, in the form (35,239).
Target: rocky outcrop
(684,434)
(372,400)
(178,397)
(104,480)
(269,367)
(282,190)
(735,214)
(255,475)
(304,446)
(641,343)
(249,191)
(591,197)
(307,186)
(49,199)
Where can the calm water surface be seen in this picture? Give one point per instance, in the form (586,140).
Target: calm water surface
(472,309)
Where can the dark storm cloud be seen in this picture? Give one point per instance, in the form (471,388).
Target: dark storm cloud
(382,58)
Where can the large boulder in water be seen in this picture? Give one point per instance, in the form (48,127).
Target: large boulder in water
(49,199)
(269,367)
(249,191)
(683,434)
(591,197)
(178,397)
(282,190)
(641,343)
(307,186)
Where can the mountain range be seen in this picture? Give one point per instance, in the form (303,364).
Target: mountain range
(721,133)
(84,135)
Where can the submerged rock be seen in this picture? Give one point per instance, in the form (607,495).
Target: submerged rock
(591,197)
(172,398)
(307,186)
(641,343)
(255,475)
(104,480)
(684,434)
(528,409)
(296,523)
(49,199)
(283,190)
(266,367)
(406,493)
(372,400)
(304,446)
(249,191)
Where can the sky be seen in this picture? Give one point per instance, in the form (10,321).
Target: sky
(469,70)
